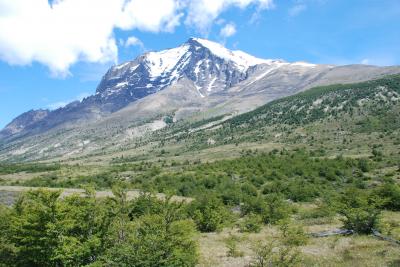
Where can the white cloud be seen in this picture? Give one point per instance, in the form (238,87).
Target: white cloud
(297,9)
(134,41)
(202,13)
(68,31)
(73,30)
(150,15)
(228,30)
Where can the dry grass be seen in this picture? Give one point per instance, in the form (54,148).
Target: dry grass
(131,194)
(354,251)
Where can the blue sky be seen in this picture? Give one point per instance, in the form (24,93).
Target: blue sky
(45,62)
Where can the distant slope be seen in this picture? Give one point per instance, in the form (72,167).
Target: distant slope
(375,97)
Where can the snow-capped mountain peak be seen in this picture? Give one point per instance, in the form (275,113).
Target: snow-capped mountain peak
(209,65)
(242,60)
(162,62)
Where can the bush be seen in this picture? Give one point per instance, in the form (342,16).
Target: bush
(322,214)
(209,214)
(292,235)
(360,209)
(281,253)
(272,208)
(273,254)
(8,250)
(231,243)
(391,193)
(276,209)
(153,242)
(363,165)
(251,223)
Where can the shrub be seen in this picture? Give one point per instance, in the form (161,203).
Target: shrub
(209,214)
(363,165)
(273,254)
(251,223)
(281,253)
(360,210)
(391,193)
(292,235)
(153,242)
(231,243)
(276,209)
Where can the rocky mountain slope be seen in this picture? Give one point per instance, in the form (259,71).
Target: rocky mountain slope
(195,81)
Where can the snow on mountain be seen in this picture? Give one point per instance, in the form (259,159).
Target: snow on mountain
(209,65)
(241,59)
(163,62)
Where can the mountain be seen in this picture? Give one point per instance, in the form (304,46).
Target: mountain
(198,80)
(23,121)
(210,66)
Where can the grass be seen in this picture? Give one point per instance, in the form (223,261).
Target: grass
(328,251)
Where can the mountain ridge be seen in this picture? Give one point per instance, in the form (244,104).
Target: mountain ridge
(209,65)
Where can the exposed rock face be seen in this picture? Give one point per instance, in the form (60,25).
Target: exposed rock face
(24,121)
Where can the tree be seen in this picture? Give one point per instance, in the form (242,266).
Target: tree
(32,226)
(44,230)
(81,225)
(8,250)
(152,241)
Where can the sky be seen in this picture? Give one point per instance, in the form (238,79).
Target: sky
(55,51)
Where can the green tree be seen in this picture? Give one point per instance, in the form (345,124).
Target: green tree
(32,226)
(154,242)
(8,251)
(81,225)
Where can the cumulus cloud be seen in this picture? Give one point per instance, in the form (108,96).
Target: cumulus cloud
(133,41)
(202,13)
(66,31)
(150,15)
(228,30)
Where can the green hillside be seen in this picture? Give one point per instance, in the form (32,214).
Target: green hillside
(339,113)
